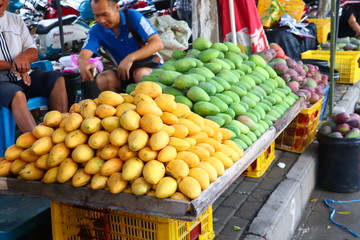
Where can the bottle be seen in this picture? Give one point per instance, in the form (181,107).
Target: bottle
(79,96)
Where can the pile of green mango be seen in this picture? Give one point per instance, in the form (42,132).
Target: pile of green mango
(343,44)
(217,81)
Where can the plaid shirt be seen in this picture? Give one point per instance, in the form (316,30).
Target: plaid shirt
(183,5)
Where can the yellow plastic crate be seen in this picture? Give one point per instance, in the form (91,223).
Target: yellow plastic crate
(262,163)
(294,8)
(297,136)
(78,222)
(346,62)
(322,28)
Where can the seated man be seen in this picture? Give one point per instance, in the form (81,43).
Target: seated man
(127,35)
(17,82)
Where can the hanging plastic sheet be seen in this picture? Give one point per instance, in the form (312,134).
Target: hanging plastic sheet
(249,30)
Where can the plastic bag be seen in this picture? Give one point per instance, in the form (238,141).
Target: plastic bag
(272,15)
(69,63)
(174,34)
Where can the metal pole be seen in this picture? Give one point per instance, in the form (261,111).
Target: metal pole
(333,36)
(232,21)
(61,29)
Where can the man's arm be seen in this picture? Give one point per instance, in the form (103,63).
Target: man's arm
(22,62)
(84,65)
(153,45)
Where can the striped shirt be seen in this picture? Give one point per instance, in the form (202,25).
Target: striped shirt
(183,5)
(15,38)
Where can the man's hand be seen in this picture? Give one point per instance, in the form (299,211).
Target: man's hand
(86,72)
(24,76)
(123,68)
(21,64)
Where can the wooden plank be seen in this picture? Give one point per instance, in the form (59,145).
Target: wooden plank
(168,208)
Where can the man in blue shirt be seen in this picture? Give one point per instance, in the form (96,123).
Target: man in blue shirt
(112,33)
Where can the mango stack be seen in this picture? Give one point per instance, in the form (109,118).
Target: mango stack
(140,143)
(217,81)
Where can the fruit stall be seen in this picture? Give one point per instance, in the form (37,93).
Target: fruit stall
(170,145)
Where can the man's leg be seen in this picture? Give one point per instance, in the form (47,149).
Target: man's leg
(140,72)
(58,96)
(22,115)
(108,80)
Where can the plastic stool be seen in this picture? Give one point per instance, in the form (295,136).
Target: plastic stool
(8,125)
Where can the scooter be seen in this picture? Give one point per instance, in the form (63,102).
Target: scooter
(47,36)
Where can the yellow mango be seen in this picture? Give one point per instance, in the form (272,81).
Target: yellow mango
(190,187)
(225,133)
(190,158)
(217,164)
(110,98)
(31,172)
(201,176)
(151,89)
(179,144)
(137,139)
(213,175)
(28,155)
(94,165)
(13,152)
(41,131)
(132,169)
(52,118)
(216,144)
(75,138)
(151,123)
(153,171)
(181,131)
(169,118)
(25,140)
(181,111)
(16,166)
(87,108)
(41,162)
(201,152)
(98,182)
(111,166)
(5,168)
(140,186)
(167,154)
(193,128)
(227,162)
(82,153)
(57,154)
(130,120)
(147,154)
(125,153)
(145,107)
(209,131)
(91,125)
(217,136)
(118,137)
(59,135)
(166,187)
(103,111)
(66,170)
(99,139)
(110,123)
(166,102)
(109,151)
(42,146)
(73,122)
(180,196)
(170,130)
(151,193)
(123,107)
(177,168)
(197,119)
(141,97)
(127,98)
(50,175)
(207,146)
(159,140)
(235,147)
(80,178)
(230,152)
(199,137)
(191,141)
(212,124)
(115,183)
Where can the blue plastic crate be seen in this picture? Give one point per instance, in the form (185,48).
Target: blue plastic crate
(19,215)
(325,102)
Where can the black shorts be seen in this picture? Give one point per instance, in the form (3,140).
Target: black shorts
(42,82)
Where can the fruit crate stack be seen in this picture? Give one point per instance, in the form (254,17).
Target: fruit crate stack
(346,62)
(75,222)
(297,136)
(322,28)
